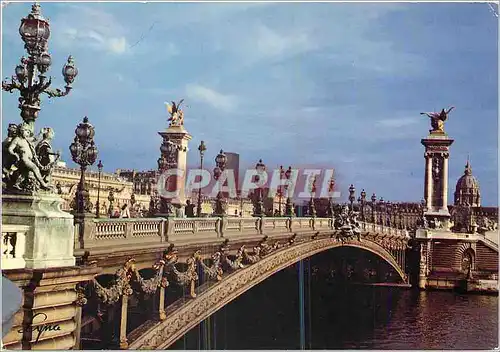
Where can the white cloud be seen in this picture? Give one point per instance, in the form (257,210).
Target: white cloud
(397,122)
(93,28)
(117,45)
(209,96)
(270,43)
(263,43)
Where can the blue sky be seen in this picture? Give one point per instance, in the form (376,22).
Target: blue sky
(331,84)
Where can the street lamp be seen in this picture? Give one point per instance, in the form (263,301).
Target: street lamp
(312,206)
(259,204)
(30,79)
(331,188)
(167,160)
(388,213)
(83,152)
(201,149)
(362,201)
(288,205)
(98,207)
(280,191)
(382,209)
(374,199)
(352,197)
(220,161)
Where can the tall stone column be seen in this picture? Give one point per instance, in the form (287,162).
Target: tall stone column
(428,181)
(437,147)
(180,137)
(173,157)
(444,190)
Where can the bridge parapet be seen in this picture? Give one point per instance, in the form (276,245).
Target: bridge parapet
(109,234)
(13,246)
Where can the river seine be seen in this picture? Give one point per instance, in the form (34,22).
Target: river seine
(340,316)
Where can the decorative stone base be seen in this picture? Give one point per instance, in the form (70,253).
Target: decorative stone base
(50,317)
(442,215)
(50,239)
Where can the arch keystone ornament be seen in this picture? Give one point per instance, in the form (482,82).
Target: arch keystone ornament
(180,321)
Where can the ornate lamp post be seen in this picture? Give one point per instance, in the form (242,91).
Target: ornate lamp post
(352,197)
(362,201)
(312,206)
(331,188)
(388,213)
(280,191)
(381,207)
(98,206)
(83,152)
(220,161)
(288,205)
(374,199)
(168,159)
(201,149)
(30,79)
(259,204)
(111,199)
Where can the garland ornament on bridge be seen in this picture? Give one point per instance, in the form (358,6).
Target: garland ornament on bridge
(28,161)
(347,224)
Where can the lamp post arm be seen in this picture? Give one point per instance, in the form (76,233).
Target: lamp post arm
(13,85)
(56,93)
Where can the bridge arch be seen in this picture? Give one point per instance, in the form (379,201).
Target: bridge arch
(184,318)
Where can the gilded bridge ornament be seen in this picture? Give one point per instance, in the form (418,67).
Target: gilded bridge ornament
(347,224)
(438,119)
(182,278)
(176,114)
(214,272)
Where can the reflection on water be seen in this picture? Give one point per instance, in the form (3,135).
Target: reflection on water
(347,317)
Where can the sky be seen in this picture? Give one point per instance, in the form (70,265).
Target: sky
(337,85)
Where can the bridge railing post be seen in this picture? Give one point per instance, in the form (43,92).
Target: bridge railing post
(260,221)
(223,225)
(123,322)
(129,227)
(169,227)
(312,223)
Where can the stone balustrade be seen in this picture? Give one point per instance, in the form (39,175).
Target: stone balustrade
(13,246)
(148,232)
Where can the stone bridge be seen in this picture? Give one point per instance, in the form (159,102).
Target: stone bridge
(143,283)
(153,256)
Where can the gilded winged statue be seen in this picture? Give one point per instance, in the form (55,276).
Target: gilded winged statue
(438,119)
(176,114)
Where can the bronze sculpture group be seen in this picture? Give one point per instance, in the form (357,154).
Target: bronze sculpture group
(27,161)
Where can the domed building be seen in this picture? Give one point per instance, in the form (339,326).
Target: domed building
(467,191)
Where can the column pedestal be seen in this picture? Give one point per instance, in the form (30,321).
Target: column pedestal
(49,238)
(179,136)
(437,147)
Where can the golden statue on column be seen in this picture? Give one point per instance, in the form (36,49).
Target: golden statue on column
(176,114)
(438,119)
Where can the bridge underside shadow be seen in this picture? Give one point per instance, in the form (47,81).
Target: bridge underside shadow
(335,301)
(182,318)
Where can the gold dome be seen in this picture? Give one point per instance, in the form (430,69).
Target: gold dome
(467,191)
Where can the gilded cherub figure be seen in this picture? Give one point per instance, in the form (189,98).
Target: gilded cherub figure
(438,119)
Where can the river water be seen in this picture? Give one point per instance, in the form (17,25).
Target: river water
(340,316)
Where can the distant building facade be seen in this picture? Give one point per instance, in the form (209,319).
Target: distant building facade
(233,163)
